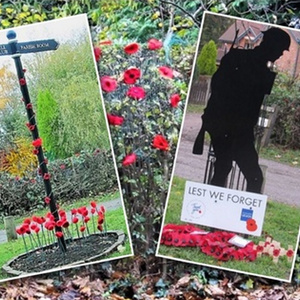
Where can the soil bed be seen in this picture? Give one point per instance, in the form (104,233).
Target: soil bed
(79,251)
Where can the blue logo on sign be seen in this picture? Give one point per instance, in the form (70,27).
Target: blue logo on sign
(246,214)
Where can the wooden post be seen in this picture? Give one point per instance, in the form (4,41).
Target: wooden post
(10,228)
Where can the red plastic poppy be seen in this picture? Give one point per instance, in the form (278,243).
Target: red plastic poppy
(136,92)
(174,100)
(37,142)
(129,159)
(108,84)
(47,200)
(46,176)
(131,48)
(22,81)
(115,120)
(59,234)
(97,53)
(131,75)
(161,143)
(154,44)
(166,72)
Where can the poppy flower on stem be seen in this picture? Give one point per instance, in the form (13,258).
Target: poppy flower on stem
(59,234)
(131,75)
(29,106)
(166,72)
(35,151)
(136,92)
(73,211)
(129,159)
(22,81)
(108,84)
(161,143)
(174,100)
(131,48)
(114,120)
(46,176)
(47,200)
(154,44)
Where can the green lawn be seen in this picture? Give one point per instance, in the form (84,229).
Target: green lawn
(281,222)
(115,220)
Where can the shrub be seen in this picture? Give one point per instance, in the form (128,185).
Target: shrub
(83,175)
(206,61)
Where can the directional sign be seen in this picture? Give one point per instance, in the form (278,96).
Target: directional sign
(5,49)
(37,46)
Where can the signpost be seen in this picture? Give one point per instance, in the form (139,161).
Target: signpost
(15,49)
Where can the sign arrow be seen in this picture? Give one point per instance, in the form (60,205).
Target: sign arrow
(37,46)
(5,50)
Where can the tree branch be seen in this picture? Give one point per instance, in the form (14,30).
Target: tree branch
(183,10)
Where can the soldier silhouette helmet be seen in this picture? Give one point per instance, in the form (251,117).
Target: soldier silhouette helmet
(277,37)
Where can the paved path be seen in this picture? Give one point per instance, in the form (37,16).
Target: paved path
(282,181)
(109,205)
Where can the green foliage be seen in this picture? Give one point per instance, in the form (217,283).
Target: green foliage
(72,104)
(47,120)
(286,96)
(83,175)
(206,61)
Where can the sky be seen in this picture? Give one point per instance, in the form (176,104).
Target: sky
(62,30)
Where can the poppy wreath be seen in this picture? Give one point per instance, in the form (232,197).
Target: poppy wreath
(215,244)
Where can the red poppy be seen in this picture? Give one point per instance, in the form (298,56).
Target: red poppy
(114,120)
(93,204)
(33,226)
(107,42)
(166,72)
(46,176)
(251,225)
(20,230)
(60,222)
(47,200)
(75,220)
(154,44)
(97,53)
(22,81)
(131,75)
(82,228)
(93,210)
(37,229)
(290,253)
(108,84)
(41,220)
(131,48)
(62,213)
(129,159)
(86,219)
(175,99)
(73,211)
(29,105)
(276,252)
(27,221)
(35,151)
(161,143)
(100,227)
(259,248)
(102,209)
(136,92)
(59,234)
(65,224)
(37,143)
(49,225)
(34,218)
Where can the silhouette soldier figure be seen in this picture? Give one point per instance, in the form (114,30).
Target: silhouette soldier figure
(238,88)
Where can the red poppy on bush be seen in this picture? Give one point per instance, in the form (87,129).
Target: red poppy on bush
(47,200)
(37,143)
(131,75)
(27,221)
(129,159)
(86,219)
(166,72)
(93,204)
(175,99)
(160,142)
(37,229)
(154,44)
(108,84)
(136,92)
(114,120)
(46,176)
(97,53)
(22,81)
(59,234)
(73,211)
(131,48)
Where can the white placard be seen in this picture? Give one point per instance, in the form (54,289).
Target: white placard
(223,208)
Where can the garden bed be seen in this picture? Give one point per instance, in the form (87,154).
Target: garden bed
(80,250)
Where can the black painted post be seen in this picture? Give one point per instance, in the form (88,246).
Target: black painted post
(32,126)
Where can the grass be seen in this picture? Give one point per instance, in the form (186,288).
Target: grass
(195,108)
(67,205)
(115,221)
(281,222)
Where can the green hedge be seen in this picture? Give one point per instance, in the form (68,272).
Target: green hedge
(83,175)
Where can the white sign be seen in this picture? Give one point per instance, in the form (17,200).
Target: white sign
(223,208)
